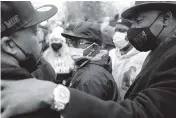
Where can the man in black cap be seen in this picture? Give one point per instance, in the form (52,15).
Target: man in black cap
(125,56)
(91,75)
(119,39)
(20,48)
(153,93)
(21,51)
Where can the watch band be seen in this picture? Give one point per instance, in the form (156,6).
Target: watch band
(58,106)
(61,98)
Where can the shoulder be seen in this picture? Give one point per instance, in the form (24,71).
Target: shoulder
(93,73)
(111,52)
(95,69)
(168,58)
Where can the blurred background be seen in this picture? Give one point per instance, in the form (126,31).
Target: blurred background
(71,13)
(75,11)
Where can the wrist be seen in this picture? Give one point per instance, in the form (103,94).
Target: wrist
(49,98)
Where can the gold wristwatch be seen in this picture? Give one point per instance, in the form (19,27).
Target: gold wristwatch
(61,98)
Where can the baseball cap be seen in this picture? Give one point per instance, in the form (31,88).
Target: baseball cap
(124,22)
(16,15)
(86,30)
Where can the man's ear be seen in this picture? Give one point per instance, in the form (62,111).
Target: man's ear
(8,46)
(167,17)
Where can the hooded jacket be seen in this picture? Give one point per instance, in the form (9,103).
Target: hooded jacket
(94,77)
(121,64)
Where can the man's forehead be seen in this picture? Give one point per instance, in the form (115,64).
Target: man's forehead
(144,13)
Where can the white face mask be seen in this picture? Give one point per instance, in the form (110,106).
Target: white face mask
(76,52)
(119,40)
(79,52)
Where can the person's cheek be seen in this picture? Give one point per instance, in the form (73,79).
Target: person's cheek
(40,46)
(37,47)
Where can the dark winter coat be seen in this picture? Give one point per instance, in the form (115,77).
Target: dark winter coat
(95,78)
(44,72)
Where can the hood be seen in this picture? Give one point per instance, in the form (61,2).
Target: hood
(132,52)
(129,54)
(102,59)
(105,62)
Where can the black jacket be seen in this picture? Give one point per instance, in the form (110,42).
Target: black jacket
(152,95)
(94,77)
(44,72)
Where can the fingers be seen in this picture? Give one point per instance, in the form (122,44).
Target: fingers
(4,109)
(7,107)
(2,94)
(5,95)
(7,113)
(3,84)
(6,83)
(2,105)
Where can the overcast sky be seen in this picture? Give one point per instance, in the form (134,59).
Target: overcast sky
(120,4)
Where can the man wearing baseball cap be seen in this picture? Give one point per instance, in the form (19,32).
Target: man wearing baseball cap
(153,93)
(125,57)
(91,75)
(20,48)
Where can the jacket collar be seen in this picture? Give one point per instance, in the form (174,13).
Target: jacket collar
(132,52)
(104,62)
(14,73)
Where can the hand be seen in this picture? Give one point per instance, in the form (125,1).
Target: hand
(25,96)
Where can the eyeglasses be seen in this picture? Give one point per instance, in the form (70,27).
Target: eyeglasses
(76,42)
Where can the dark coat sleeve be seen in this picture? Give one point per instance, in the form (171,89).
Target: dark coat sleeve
(156,101)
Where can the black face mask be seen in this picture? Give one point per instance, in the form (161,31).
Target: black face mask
(30,63)
(56,46)
(142,38)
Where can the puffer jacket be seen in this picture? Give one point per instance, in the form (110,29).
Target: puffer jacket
(94,77)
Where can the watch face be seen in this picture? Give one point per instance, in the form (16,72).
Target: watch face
(61,94)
